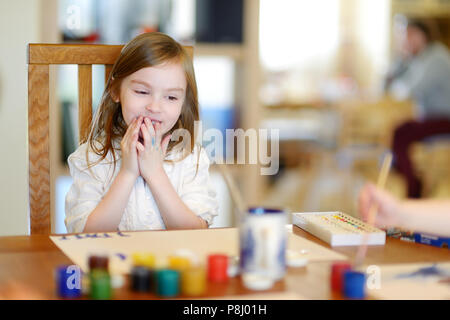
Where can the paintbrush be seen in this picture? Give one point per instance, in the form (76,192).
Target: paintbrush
(373,210)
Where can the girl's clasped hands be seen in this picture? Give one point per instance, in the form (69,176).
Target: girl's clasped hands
(144,148)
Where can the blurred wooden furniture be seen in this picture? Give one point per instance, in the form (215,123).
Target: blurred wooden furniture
(431,160)
(40,57)
(372,123)
(32,260)
(366,133)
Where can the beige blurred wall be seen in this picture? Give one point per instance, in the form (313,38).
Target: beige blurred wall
(21,22)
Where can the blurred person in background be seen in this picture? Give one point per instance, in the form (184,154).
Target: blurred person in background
(423,75)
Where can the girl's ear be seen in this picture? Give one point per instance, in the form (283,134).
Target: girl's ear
(114,95)
(114,90)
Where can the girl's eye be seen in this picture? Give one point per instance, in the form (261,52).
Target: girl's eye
(140,92)
(172,98)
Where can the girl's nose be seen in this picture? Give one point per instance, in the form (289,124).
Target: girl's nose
(153,105)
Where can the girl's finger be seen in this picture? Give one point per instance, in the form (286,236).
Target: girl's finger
(148,139)
(150,127)
(131,129)
(140,147)
(158,133)
(127,132)
(134,140)
(137,125)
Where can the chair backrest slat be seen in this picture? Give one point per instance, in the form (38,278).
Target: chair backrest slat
(84,101)
(39,161)
(73,53)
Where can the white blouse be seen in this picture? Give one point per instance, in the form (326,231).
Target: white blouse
(141,213)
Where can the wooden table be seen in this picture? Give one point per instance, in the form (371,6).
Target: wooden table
(32,260)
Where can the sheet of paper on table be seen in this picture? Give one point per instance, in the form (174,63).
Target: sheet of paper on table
(418,281)
(121,245)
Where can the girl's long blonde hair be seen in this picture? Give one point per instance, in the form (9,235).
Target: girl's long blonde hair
(145,50)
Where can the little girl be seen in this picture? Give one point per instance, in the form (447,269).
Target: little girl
(131,174)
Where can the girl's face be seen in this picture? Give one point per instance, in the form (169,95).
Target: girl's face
(156,92)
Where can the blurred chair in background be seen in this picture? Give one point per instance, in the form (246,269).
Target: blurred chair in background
(366,134)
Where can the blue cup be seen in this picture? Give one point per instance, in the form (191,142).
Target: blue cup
(354,284)
(68,281)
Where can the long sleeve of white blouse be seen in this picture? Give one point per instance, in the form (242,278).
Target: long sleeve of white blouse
(86,191)
(196,189)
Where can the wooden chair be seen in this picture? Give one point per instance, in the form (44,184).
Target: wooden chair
(40,57)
